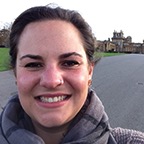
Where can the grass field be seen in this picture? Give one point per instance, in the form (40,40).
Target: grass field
(110,54)
(4,59)
(106,54)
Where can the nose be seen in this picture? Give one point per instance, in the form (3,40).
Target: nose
(51,77)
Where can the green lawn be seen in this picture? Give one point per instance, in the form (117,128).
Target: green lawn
(104,54)
(4,59)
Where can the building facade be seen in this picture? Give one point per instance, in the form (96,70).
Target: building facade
(119,43)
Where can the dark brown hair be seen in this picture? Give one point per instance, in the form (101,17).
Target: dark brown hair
(41,13)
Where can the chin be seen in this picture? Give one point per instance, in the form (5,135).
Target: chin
(52,122)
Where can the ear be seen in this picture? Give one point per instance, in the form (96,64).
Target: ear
(91,68)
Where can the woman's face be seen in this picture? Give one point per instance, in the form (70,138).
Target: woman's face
(52,72)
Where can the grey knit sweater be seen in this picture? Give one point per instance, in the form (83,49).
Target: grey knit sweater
(126,136)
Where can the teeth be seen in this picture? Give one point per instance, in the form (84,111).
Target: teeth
(52,99)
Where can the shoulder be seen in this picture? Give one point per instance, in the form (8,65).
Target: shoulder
(127,136)
(2,138)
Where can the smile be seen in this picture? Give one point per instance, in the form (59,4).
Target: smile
(52,99)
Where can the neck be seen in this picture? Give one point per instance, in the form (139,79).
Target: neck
(53,135)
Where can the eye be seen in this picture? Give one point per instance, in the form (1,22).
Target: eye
(33,65)
(70,63)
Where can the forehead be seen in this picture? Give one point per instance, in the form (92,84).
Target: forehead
(51,34)
(52,28)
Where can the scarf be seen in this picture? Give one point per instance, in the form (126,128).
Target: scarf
(90,126)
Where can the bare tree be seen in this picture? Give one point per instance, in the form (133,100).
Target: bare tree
(4,35)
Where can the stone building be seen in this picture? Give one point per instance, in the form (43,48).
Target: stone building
(121,44)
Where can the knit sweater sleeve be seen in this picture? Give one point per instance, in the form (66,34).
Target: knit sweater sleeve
(126,136)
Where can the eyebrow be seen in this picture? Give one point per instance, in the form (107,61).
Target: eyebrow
(66,55)
(37,57)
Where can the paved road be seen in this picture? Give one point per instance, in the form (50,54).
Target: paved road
(118,81)
(7,87)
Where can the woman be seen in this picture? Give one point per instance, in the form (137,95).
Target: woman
(52,55)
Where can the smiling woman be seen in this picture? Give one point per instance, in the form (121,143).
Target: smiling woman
(52,55)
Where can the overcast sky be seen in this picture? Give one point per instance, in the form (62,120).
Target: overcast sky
(104,16)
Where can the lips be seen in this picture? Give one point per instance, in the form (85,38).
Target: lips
(52,99)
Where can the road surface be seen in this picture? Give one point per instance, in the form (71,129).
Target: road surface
(118,81)
(7,87)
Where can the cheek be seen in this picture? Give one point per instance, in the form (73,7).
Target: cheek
(79,85)
(25,82)
(79,79)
